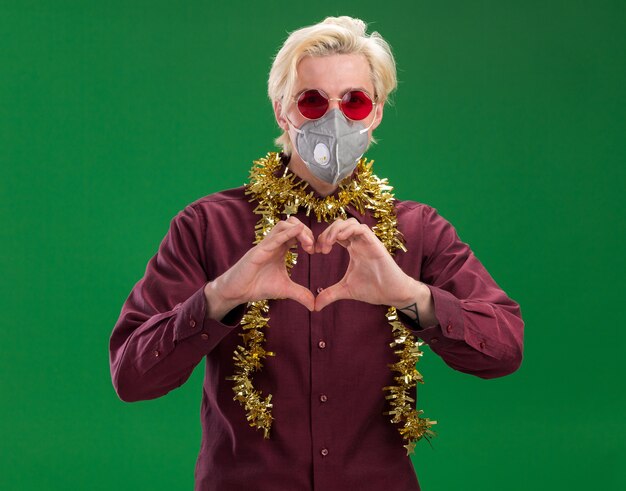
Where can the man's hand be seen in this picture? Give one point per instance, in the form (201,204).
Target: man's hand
(372,275)
(261,273)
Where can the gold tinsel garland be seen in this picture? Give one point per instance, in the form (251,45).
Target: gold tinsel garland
(284,194)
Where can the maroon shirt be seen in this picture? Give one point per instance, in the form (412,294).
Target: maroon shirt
(329,432)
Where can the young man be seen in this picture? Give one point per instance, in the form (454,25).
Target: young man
(347,277)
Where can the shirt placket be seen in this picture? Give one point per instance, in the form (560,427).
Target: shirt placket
(321,349)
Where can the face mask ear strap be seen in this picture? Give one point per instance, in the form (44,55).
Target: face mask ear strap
(298,130)
(372,123)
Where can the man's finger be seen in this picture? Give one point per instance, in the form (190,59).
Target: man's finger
(302,295)
(286,230)
(322,238)
(330,295)
(342,232)
(277,240)
(306,239)
(354,230)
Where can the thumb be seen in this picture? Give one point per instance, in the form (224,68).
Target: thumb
(301,295)
(330,295)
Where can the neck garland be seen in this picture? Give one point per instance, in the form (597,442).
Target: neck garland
(278,197)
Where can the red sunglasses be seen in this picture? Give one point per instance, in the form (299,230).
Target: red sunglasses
(355,104)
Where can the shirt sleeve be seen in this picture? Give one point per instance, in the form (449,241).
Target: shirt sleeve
(163,330)
(480,329)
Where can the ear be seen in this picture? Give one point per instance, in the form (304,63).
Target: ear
(280,119)
(379,114)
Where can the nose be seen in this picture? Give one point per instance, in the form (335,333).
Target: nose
(333,103)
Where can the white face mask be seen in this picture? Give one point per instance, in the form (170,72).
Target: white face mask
(332,145)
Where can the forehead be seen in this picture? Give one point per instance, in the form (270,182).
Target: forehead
(334,74)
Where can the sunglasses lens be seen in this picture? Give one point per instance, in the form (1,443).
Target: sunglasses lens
(356,105)
(312,104)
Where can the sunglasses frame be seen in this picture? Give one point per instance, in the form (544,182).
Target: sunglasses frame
(340,100)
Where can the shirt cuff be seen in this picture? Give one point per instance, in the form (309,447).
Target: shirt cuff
(449,318)
(193,320)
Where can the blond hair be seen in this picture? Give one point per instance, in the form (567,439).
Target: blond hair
(334,35)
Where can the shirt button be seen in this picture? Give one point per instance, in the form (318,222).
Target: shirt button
(482,345)
(204,336)
(320,289)
(323,398)
(324,452)
(156,353)
(192,323)
(449,328)
(434,340)
(322,344)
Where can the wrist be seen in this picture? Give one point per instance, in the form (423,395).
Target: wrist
(418,305)
(413,292)
(217,304)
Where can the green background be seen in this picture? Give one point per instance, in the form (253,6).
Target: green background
(509,119)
